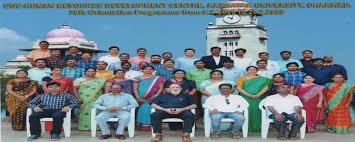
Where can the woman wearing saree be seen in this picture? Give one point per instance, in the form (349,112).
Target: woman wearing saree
(146,88)
(19,90)
(211,87)
(337,97)
(87,89)
(253,88)
(126,84)
(278,80)
(66,83)
(311,96)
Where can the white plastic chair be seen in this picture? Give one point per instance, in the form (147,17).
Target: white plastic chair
(130,126)
(66,123)
(265,122)
(168,120)
(208,125)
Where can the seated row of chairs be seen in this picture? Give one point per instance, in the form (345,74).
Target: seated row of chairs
(265,123)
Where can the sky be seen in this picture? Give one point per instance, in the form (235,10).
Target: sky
(325,31)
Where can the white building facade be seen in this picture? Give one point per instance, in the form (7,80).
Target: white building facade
(237,31)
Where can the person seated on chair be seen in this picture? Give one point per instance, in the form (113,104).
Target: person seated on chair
(175,104)
(114,105)
(226,105)
(53,104)
(284,107)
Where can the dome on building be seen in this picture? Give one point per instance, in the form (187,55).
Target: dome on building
(65,34)
(65,31)
(21,58)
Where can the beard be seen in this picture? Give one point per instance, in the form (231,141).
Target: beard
(156,62)
(175,92)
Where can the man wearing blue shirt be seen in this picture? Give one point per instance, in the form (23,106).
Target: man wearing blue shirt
(115,104)
(53,104)
(187,62)
(231,73)
(286,58)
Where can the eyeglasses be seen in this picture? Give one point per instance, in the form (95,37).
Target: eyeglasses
(227,101)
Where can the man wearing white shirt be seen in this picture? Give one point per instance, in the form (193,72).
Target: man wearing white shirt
(129,74)
(226,105)
(271,65)
(263,70)
(240,61)
(284,107)
(112,57)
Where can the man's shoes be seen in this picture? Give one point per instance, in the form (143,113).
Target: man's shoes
(33,137)
(281,137)
(215,136)
(158,138)
(186,137)
(103,137)
(121,137)
(235,136)
(292,138)
(55,137)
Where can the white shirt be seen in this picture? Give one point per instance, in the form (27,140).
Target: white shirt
(216,59)
(131,74)
(281,104)
(266,73)
(236,103)
(110,59)
(271,65)
(242,63)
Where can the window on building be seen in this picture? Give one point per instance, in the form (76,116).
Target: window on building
(231,44)
(231,32)
(225,44)
(236,32)
(225,32)
(236,44)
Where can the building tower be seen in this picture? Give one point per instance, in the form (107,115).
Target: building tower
(237,31)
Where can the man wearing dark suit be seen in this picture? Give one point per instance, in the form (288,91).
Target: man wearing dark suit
(215,60)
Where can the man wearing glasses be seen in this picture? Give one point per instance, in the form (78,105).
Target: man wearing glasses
(226,105)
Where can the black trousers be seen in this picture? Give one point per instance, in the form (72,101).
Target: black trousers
(281,125)
(35,124)
(157,117)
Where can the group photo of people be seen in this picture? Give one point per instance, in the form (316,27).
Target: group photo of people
(159,86)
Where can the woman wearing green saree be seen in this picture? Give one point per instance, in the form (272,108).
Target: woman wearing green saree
(253,88)
(87,89)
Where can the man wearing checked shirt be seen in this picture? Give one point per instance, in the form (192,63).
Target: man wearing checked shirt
(53,104)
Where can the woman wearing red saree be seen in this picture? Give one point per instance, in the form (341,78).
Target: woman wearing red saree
(66,84)
(338,96)
(311,96)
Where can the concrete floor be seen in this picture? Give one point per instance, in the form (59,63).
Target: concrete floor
(8,135)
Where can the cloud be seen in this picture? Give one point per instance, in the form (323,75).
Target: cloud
(10,42)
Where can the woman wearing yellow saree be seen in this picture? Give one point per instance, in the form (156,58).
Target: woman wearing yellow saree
(19,90)
(87,89)
(253,88)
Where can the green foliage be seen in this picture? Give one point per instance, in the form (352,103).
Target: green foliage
(4,78)
(24,67)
